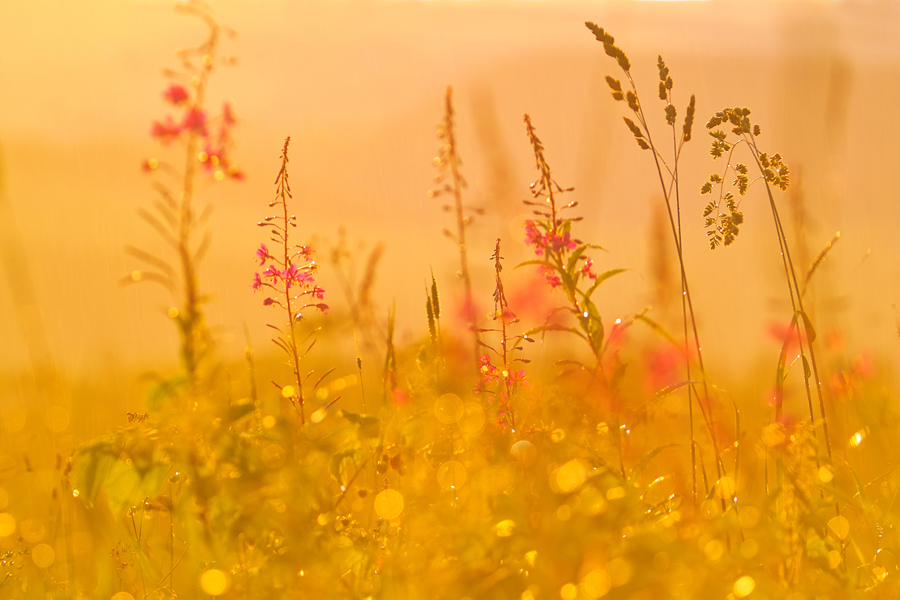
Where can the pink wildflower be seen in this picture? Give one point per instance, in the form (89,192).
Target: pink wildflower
(257,282)
(175,95)
(165,132)
(534,237)
(517,377)
(263,254)
(588,268)
(268,301)
(551,276)
(272,272)
(565,241)
(399,397)
(305,252)
(317,292)
(195,121)
(294,275)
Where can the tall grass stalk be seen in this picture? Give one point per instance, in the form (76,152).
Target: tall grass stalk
(724,227)
(448,160)
(176,218)
(670,190)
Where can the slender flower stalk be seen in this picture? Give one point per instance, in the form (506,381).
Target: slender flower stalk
(723,220)
(669,183)
(563,260)
(289,277)
(206,142)
(501,381)
(448,160)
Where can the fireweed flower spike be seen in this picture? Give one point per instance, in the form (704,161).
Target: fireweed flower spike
(500,382)
(563,261)
(175,216)
(289,277)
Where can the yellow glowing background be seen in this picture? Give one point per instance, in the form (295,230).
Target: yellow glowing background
(359,85)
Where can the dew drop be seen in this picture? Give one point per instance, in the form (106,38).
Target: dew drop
(43,555)
(505,528)
(744,586)
(451,475)
(389,504)
(214,582)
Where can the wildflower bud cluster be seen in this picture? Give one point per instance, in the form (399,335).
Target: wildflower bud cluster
(214,134)
(281,275)
(499,382)
(563,260)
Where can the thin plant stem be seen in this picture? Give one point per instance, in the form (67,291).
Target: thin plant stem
(284,192)
(796,304)
(449,158)
(686,294)
(193,331)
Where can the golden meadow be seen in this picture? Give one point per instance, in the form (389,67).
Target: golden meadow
(526,440)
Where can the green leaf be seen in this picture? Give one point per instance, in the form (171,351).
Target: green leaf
(340,464)
(645,460)
(863,496)
(125,487)
(369,426)
(782,359)
(164,390)
(573,259)
(92,466)
(236,411)
(807,324)
(555,327)
(659,329)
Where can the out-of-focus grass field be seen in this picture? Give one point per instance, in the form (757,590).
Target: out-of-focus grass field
(596,456)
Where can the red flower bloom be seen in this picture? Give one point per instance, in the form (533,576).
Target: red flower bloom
(175,95)
(263,254)
(534,237)
(551,276)
(272,272)
(165,132)
(195,121)
(257,282)
(564,241)
(588,268)
(517,377)
(294,275)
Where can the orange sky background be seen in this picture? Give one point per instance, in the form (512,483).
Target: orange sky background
(359,86)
